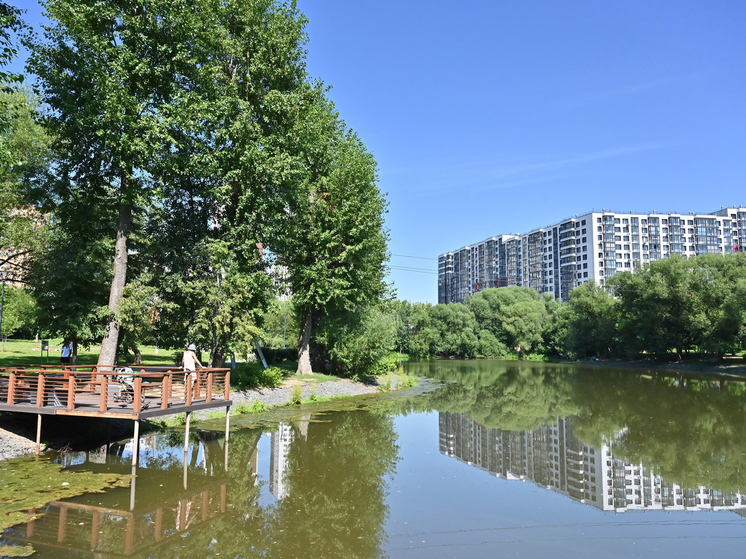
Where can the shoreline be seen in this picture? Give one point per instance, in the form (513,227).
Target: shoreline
(738,370)
(17,435)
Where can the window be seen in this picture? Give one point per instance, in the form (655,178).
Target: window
(617,237)
(600,237)
(598,220)
(584,230)
(626,238)
(616,220)
(617,229)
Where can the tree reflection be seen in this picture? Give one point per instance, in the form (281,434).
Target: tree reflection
(336,485)
(688,430)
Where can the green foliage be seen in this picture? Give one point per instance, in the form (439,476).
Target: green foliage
(296,394)
(10,23)
(254,375)
(19,312)
(678,305)
(456,330)
(358,342)
(674,305)
(516,316)
(257,406)
(280,321)
(592,322)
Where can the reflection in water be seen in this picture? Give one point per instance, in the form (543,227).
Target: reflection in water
(154,510)
(282,439)
(552,457)
(329,477)
(326,484)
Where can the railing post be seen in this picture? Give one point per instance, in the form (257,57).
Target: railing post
(170,384)
(227,394)
(164,392)
(11,389)
(137,404)
(40,390)
(208,396)
(71,393)
(188,388)
(196,385)
(104,383)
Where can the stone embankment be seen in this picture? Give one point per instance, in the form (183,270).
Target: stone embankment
(12,445)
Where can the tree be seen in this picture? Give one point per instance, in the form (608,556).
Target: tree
(111,73)
(10,22)
(592,321)
(333,243)
(24,156)
(19,312)
(456,330)
(178,111)
(514,315)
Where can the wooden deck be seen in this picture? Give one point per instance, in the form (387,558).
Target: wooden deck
(142,393)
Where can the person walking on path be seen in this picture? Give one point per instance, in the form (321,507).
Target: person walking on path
(188,362)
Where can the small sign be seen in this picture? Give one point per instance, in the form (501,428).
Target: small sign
(45,345)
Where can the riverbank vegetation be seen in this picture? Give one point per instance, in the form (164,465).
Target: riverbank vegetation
(668,309)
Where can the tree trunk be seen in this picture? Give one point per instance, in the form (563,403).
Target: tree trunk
(108,355)
(138,356)
(217,359)
(304,344)
(74,356)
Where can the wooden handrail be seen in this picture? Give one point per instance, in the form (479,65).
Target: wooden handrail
(40,386)
(104,384)
(12,389)
(71,393)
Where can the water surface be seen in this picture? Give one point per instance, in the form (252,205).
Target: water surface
(504,458)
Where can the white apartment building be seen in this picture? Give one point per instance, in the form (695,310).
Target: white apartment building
(592,246)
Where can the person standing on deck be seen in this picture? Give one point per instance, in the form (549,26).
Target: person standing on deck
(188,361)
(67,348)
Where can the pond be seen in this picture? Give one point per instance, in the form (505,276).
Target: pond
(502,458)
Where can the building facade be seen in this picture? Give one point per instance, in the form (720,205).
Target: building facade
(593,246)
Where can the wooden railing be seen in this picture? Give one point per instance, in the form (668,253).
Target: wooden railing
(98,389)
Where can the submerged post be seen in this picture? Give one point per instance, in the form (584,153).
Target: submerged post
(186,446)
(38,433)
(136,444)
(227,433)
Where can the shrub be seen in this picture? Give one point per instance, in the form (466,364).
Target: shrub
(254,375)
(296,395)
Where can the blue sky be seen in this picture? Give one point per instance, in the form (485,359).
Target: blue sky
(496,117)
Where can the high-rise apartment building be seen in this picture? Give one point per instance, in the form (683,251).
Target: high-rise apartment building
(593,246)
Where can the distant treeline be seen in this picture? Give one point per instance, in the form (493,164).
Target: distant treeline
(670,307)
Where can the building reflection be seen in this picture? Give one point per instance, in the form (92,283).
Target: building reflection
(552,457)
(282,440)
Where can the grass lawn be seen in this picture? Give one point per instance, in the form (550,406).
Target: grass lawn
(27,352)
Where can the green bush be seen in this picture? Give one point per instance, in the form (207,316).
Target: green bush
(297,394)
(254,375)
